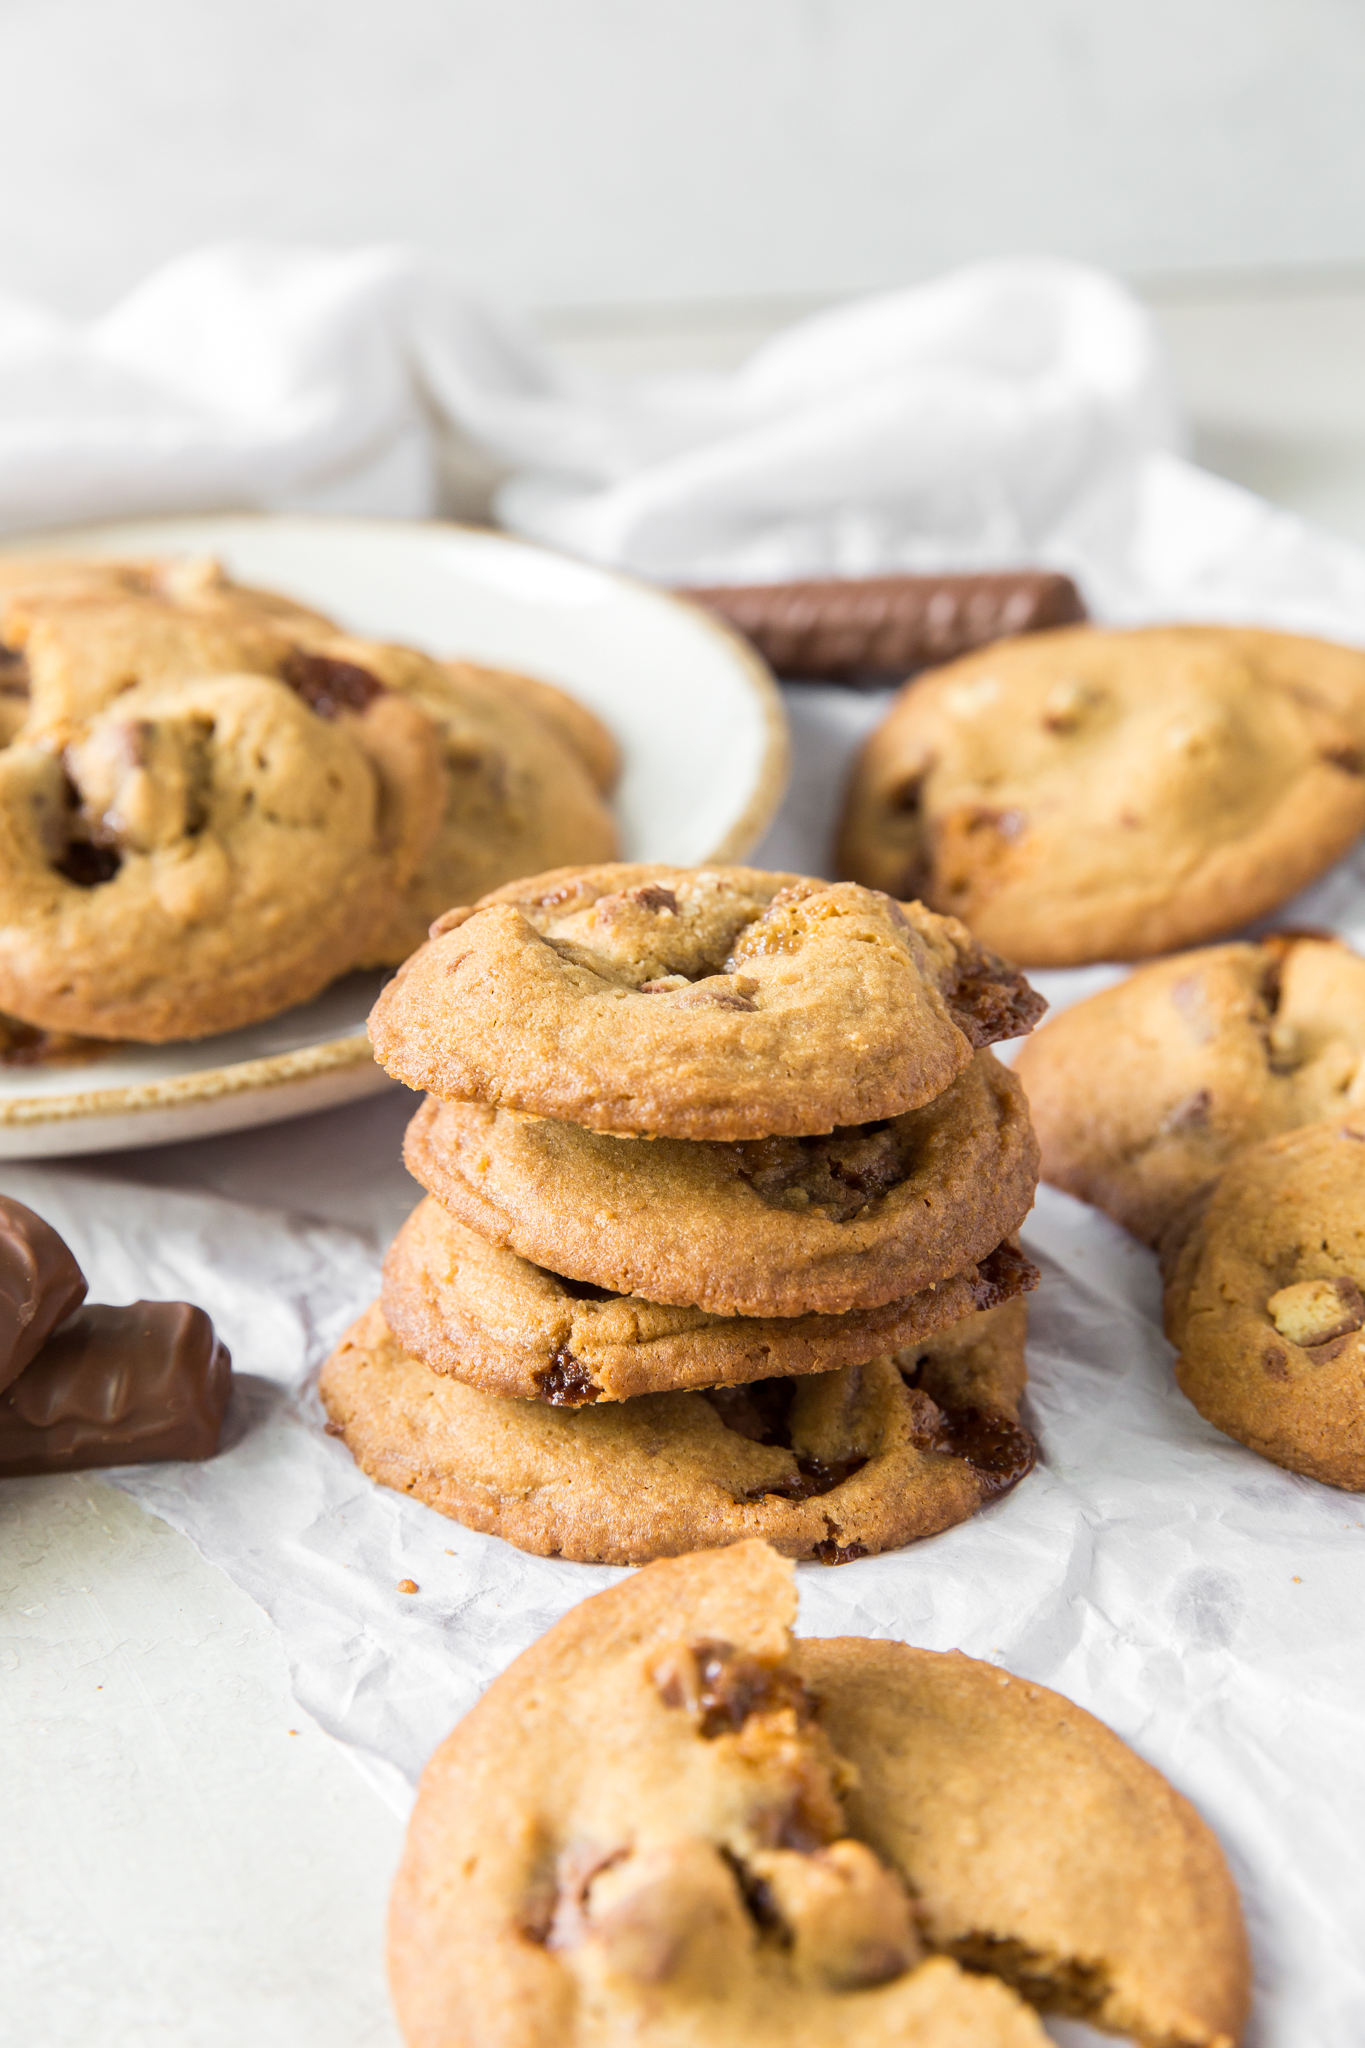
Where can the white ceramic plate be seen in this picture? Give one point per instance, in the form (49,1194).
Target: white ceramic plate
(698,717)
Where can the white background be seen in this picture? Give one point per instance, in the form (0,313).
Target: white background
(614,152)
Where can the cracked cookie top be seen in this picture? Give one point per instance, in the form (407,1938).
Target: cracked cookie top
(1142,1094)
(707,1003)
(1087,795)
(668,1823)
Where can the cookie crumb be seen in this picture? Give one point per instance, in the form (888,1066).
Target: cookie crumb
(407,1586)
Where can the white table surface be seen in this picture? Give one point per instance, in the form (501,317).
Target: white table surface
(185,1861)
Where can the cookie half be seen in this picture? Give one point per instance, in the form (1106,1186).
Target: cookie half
(699,1003)
(777,1837)
(1087,795)
(836,1466)
(1142,1094)
(1265,1301)
(487,1317)
(774,1227)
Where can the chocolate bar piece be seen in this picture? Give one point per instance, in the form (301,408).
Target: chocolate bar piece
(40,1284)
(880,629)
(118,1386)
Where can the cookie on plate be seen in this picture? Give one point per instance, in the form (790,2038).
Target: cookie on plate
(1142,1094)
(767,1227)
(521,793)
(479,1312)
(696,1003)
(837,1465)
(1086,795)
(580,729)
(200,857)
(485,775)
(1265,1300)
(79,631)
(794,1843)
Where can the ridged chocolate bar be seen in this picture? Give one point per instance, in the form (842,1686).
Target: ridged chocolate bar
(879,629)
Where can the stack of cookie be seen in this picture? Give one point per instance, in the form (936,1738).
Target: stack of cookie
(722,1190)
(214,801)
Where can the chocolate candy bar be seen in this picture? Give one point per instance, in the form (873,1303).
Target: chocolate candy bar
(118,1386)
(880,629)
(40,1284)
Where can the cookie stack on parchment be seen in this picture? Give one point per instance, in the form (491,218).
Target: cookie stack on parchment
(723,1184)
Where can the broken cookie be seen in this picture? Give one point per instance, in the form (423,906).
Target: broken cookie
(801,1844)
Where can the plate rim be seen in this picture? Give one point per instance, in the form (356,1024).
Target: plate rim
(272,1070)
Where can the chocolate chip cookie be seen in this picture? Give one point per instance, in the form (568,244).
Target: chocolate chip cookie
(519,794)
(768,1227)
(478,1312)
(668,1823)
(483,775)
(198,857)
(1086,795)
(1141,1095)
(580,729)
(1264,1300)
(711,1003)
(838,1465)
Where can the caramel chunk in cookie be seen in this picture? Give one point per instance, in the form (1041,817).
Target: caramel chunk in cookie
(1142,1094)
(1098,795)
(704,1003)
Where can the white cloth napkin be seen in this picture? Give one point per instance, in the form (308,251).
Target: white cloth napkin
(1012,412)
